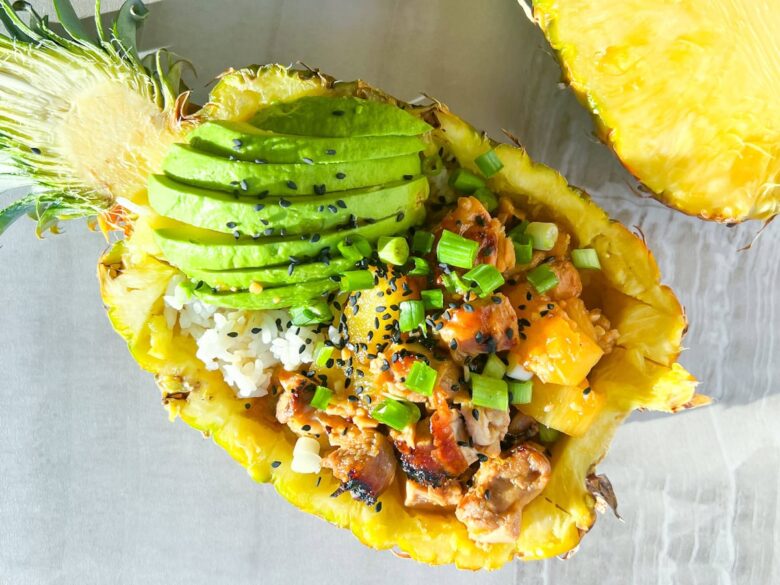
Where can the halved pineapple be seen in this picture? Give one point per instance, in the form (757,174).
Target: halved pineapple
(641,373)
(684,92)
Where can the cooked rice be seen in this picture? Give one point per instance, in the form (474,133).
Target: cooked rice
(226,340)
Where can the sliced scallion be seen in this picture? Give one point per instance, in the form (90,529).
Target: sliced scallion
(543,234)
(489,392)
(422,242)
(412,315)
(354,248)
(420,267)
(432,299)
(465,181)
(487,199)
(520,392)
(393,250)
(542,278)
(356,280)
(421,378)
(322,353)
(524,250)
(494,367)
(585,258)
(456,250)
(489,163)
(486,277)
(396,414)
(321,398)
(454,283)
(311,314)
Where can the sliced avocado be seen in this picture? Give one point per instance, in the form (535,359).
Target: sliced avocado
(273,298)
(191,166)
(191,248)
(223,212)
(272,277)
(245,142)
(338,116)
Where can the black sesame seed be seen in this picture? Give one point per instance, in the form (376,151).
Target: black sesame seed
(268,232)
(275,464)
(307,160)
(231,224)
(378,507)
(400,216)
(408,177)
(315,238)
(284,203)
(332,209)
(475,413)
(305,428)
(237,143)
(292,185)
(259,207)
(453,344)
(256,330)
(233,334)
(341,204)
(586,391)
(468,308)
(340,175)
(35,150)
(260,161)
(244,185)
(247,405)
(330,151)
(236,234)
(496,300)
(338,112)
(319,189)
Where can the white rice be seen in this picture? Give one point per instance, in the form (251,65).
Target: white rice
(226,342)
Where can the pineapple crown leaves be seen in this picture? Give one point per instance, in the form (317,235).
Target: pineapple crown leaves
(39,70)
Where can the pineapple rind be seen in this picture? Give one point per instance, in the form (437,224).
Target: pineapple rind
(683,92)
(554,523)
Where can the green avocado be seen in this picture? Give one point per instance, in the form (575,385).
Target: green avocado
(201,169)
(190,248)
(273,298)
(338,116)
(223,212)
(245,142)
(242,278)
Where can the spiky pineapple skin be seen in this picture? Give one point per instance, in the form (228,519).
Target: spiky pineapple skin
(642,373)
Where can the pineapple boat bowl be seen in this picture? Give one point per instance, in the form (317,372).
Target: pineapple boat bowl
(409,330)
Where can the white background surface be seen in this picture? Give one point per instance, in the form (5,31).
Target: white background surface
(96,486)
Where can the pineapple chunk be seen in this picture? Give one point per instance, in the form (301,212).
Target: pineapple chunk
(569,409)
(556,350)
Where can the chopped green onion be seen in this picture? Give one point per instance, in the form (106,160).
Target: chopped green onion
(542,278)
(313,313)
(412,315)
(465,181)
(547,435)
(489,392)
(486,198)
(543,234)
(432,299)
(322,353)
(454,284)
(356,280)
(456,250)
(421,267)
(393,250)
(321,397)
(489,163)
(520,392)
(517,232)
(585,258)
(432,165)
(524,250)
(494,367)
(396,414)
(421,378)
(486,277)
(354,248)
(422,242)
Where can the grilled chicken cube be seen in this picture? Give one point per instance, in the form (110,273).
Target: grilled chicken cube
(422,497)
(493,506)
(481,326)
(364,463)
(487,427)
(471,220)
